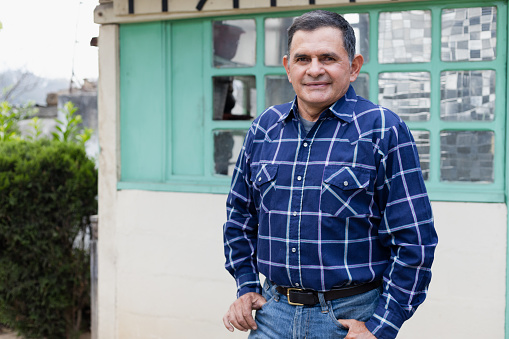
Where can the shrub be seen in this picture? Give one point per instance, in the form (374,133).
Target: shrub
(48,190)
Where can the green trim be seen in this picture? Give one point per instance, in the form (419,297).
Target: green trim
(192,186)
(506,162)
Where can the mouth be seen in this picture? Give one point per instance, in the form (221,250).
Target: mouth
(316,84)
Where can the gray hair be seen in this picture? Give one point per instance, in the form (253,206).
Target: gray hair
(313,20)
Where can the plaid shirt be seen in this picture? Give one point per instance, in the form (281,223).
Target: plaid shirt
(343,205)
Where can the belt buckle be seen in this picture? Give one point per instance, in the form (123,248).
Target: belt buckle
(288,295)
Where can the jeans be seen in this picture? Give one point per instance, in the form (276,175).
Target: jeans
(279,320)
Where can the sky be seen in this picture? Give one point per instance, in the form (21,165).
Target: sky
(49,38)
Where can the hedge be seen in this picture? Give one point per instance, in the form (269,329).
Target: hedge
(48,191)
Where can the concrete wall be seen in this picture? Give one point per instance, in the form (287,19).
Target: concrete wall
(170,280)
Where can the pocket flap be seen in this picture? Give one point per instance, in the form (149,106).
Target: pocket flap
(263,173)
(348,178)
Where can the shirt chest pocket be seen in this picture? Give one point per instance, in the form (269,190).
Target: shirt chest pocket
(347,191)
(263,178)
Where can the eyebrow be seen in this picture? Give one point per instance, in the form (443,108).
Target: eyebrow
(331,54)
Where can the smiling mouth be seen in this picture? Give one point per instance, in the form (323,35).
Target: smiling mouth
(316,84)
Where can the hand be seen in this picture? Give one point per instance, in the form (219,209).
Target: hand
(356,329)
(240,312)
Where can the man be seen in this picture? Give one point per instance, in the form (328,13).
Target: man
(328,203)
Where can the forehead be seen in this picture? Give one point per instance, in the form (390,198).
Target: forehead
(323,39)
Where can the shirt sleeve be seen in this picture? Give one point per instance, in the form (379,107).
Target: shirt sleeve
(241,228)
(406,229)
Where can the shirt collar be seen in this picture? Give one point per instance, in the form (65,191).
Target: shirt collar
(342,109)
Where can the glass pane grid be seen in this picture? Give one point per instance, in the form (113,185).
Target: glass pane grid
(472,103)
(469,34)
(404,37)
(467,95)
(467,156)
(407,94)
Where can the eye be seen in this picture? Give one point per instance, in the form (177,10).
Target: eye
(301,59)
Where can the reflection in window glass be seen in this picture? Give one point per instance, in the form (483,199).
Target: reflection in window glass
(469,34)
(234,97)
(467,156)
(406,94)
(423,147)
(404,37)
(361,85)
(227,146)
(234,43)
(360,25)
(276,40)
(278,90)
(467,95)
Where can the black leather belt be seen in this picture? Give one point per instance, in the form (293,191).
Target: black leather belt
(300,297)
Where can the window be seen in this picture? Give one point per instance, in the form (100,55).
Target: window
(443,83)
(190,89)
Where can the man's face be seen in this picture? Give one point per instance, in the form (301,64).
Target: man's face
(319,69)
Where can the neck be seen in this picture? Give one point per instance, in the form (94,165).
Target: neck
(310,113)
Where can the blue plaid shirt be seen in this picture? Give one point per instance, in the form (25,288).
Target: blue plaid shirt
(344,204)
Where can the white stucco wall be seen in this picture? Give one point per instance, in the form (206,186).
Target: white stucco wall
(170,280)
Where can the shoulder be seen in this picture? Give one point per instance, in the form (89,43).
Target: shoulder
(270,118)
(273,114)
(375,115)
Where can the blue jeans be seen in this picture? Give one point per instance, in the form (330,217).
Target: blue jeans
(279,320)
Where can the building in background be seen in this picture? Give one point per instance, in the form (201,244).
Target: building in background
(179,84)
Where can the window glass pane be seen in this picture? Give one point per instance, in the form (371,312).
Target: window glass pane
(469,34)
(422,143)
(278,90)
(467,95)
(361,85)
(407,94)
(404,37)
(276,40)
(234,43)
(360,25)
(234,97)
(467,156)
(227,146)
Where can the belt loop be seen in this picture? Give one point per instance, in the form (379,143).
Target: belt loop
(323,303)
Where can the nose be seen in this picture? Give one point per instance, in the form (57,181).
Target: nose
(315,68)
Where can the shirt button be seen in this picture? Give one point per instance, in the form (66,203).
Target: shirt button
(297,284)
(294,250)
(305,144)
(260,179)
(299,178)
(345,183)
(294,214)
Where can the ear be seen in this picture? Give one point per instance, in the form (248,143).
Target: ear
(287,67)
(357,62)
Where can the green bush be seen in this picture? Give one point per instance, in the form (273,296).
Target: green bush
(48,191)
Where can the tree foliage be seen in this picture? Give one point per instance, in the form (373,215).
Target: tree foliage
(48,191)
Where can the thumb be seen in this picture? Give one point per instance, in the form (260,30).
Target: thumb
(345,322)
(258,302)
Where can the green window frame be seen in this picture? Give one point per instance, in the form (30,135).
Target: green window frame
(166,100)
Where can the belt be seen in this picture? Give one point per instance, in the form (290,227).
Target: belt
(300,297)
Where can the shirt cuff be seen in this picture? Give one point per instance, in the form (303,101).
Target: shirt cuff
(385,323)
(248,283)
